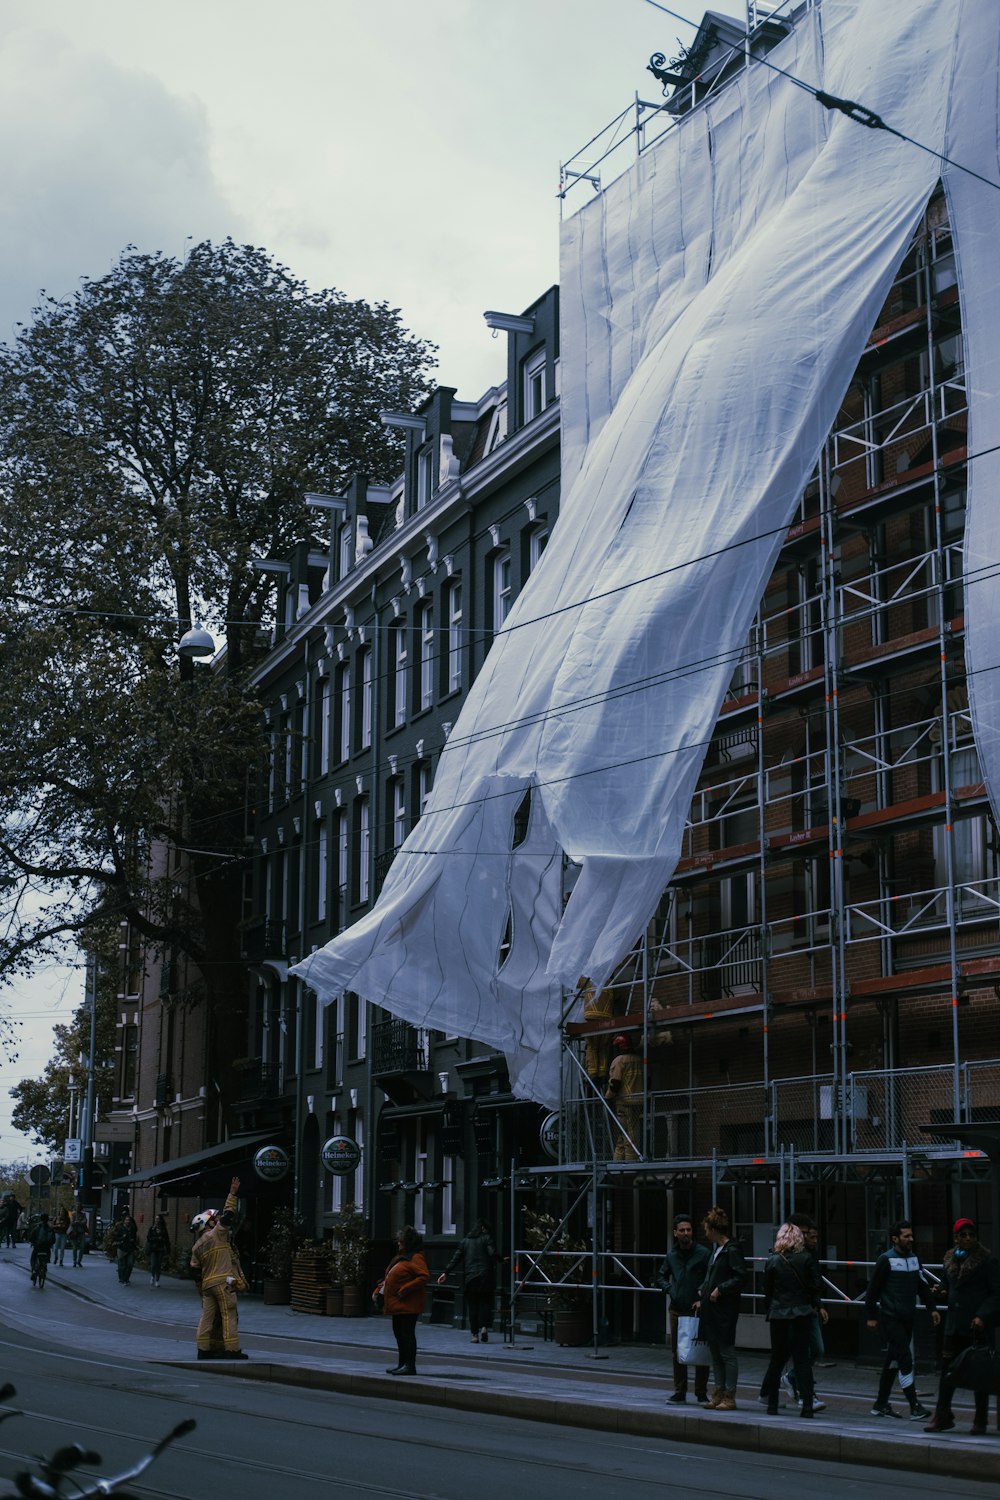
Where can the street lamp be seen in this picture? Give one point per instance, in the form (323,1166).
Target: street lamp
(195,643)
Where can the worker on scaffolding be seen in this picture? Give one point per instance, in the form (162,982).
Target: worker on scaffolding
(597,1049)
(624,1094)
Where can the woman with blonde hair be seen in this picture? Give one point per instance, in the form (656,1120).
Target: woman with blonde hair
(791,1297)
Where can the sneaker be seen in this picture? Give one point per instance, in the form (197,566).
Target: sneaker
(817,1404)
(484,1337)
(883,1411)
(919,1413)
(677,1399)
(788,1388)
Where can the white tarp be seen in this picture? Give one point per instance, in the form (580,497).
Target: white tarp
(716,299)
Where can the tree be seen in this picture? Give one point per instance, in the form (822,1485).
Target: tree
(158,431)
(42,1105)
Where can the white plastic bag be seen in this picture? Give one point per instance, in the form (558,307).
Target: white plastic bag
(691,1350)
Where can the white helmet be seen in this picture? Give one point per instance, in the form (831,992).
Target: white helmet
(204,1220)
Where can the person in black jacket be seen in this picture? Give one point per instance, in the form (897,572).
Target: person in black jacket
(157,1248)
(477,1255)
(972,1276)
(791,1298)
(718,1307)
(891,1306)
(681,1272)
(126,1243)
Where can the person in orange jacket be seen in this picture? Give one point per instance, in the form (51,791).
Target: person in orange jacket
(216,1263)
(403,1289)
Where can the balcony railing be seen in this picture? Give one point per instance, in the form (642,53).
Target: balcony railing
(398,1047)
(265,940)
(261,1080)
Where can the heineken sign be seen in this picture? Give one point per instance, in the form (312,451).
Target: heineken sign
(548,1136)
(271,1163)
(341,1155)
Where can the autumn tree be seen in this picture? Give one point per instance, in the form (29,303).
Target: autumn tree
(158,431)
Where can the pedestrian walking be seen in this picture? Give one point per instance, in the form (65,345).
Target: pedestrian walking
(10,1212)
(477,1256)
(898,1280)
(157,1248)
(77,1235)
(680,1274)
(126,1244)
(403,1290)
(791,1297)
(60,1227)
(718,1307)
(972,1279)
(216,1265)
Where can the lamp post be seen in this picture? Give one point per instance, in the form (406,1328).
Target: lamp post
(87,1123)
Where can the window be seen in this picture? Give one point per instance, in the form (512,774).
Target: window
(344,711)
(272,763)
(341,827)
(400,662)
(534,384)
(425,477)
(364,849)
(502,593)
(322,870)
(454,635)
(426,618)
(324,727)
(398,812)
(346,548)
(425,780)
(287,731)
(537,542)
(130,1052)
(366,698)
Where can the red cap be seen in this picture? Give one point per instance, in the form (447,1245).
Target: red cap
(621,1041)
(963,1224)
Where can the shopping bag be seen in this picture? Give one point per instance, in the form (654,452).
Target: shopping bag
(691,1350)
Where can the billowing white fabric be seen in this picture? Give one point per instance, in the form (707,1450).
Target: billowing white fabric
(716,300)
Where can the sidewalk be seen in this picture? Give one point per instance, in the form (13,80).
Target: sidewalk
(623,1390)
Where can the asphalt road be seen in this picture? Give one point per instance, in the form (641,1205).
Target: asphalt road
(274,1442)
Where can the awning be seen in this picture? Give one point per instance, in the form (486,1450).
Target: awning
(181,1173)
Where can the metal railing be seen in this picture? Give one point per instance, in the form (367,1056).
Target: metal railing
(398,1047)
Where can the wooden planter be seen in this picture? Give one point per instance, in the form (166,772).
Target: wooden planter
(571,1326)
(310,1280)
(335,1301)
(354,1303)
(276,1293)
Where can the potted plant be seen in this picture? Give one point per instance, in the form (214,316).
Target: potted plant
(284,1238)
(561,1268)
(350,1257)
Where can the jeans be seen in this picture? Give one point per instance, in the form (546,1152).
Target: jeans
(126,1260)
(725,1366)
(404,1327)
(479,1293)
(77,1243)
(790,1339)
(60,1249)
(954,1343)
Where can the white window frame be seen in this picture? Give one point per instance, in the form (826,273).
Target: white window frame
(364,849)
(324,727)
(426,618)
(367,687)
(455,641)
(401,662)
(425,477)
(346,550)
(534,384)
(503,589)
(425,785)
(398,812)
(322,869)
(343,842)
(537,542)
(344,747)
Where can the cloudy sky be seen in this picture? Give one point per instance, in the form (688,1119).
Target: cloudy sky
(405,151)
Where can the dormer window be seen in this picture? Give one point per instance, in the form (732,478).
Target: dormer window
(534,384)
(346,549)
(425,477)
(497,430)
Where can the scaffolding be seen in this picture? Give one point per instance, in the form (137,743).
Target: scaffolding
(821,978)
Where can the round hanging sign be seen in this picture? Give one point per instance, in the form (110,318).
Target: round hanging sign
(341,1155)
(271,1163)
(548,1136)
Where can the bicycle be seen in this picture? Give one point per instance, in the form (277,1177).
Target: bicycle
(39,1267)
(56,1474)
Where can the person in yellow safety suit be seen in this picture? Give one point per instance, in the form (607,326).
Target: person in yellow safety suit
(597,1049)
(214,1260)
(624,1094)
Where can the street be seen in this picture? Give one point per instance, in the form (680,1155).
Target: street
(264,1441)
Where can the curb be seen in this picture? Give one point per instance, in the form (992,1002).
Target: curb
(791,1439)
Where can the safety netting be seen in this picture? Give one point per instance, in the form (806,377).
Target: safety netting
(715,301)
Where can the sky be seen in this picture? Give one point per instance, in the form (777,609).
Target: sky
(406,151)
